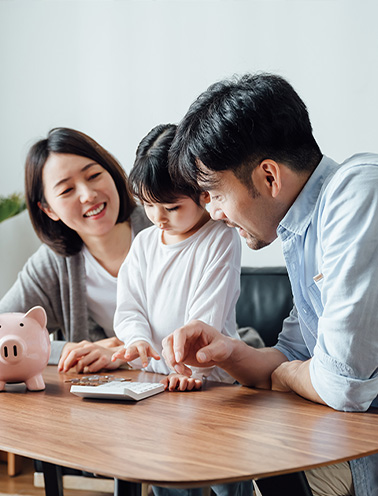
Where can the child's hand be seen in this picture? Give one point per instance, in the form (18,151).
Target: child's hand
(180,382)
(119,355)
(138,349)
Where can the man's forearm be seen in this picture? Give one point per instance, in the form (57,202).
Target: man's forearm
(253,367)
(295,376)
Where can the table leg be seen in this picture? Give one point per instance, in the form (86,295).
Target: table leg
(125,488)
(286,484)
(14,464)
(52,475)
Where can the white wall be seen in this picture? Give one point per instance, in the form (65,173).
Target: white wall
(116,68)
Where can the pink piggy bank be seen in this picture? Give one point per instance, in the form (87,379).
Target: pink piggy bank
(24,348)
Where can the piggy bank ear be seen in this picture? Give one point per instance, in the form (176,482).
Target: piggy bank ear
(38,314)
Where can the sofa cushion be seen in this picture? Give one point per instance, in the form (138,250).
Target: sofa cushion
(265,301)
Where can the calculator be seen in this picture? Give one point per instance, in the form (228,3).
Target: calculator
(119,390)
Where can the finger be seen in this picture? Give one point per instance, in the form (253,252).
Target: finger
(194,384)
(168,353)
(65,352)
(165,382)
(70,361)
(191,385)
(97,365)
(173,382)
(185,336)
(183,383)
(181,368)
(142,350)
(88,359)
(119,355)
(197,384)
(153,353)
(218,350)
(131,353)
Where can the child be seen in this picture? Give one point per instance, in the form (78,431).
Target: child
(185,267)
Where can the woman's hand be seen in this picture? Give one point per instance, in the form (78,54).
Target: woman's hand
(139,349)
(180,382)
(89,357)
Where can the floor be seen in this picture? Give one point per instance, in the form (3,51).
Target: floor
(23,484)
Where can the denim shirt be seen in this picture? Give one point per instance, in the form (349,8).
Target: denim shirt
(330,244)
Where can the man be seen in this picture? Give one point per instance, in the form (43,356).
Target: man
(249,142)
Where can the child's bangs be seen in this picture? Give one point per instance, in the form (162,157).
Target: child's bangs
(157,195)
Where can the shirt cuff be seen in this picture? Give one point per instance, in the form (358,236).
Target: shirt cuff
(336,384)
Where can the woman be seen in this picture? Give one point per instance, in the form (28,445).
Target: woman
(83,212)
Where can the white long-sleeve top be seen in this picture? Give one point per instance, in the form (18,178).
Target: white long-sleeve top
(162,287)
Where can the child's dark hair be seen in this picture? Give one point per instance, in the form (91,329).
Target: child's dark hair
(149,178)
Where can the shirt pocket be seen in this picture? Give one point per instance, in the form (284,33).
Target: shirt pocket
(315,293)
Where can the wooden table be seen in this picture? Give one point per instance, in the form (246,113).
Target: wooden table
(222,433)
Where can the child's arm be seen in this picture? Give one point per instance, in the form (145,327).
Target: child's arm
(180,382)
(138,349)
(131,324)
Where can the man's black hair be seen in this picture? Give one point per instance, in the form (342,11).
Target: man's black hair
(237,123)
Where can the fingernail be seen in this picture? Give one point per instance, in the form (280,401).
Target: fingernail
(201,357)
(178,357)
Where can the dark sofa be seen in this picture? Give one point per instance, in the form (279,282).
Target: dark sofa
(265,301)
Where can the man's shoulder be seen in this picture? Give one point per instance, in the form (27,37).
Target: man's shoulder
(359,169)
(359,160)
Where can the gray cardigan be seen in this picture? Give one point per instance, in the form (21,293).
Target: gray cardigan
(57,284)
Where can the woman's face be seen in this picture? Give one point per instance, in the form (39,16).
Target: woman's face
(80,193)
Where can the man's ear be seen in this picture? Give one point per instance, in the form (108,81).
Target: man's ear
(47,210)
(270,176)
(204,198)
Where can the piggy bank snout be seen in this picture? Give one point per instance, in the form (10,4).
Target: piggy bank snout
(11,349)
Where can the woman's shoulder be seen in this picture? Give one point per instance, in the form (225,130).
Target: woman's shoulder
(46,259)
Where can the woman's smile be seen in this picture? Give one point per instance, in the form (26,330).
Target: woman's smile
(96,210)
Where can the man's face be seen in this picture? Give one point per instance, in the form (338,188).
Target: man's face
(251,211)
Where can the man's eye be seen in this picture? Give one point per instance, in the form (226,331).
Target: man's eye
(172,209)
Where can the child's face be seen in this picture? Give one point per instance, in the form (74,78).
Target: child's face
(180,219)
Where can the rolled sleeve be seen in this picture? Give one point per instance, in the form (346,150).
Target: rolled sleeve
(338,386)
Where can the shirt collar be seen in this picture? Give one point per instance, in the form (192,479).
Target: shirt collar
(299,215)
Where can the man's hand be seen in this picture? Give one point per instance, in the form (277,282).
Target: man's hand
(86,357)
(196,344)
(179,382)
(138,349)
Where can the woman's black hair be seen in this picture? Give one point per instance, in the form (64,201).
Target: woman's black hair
(57,235)
(149,178)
